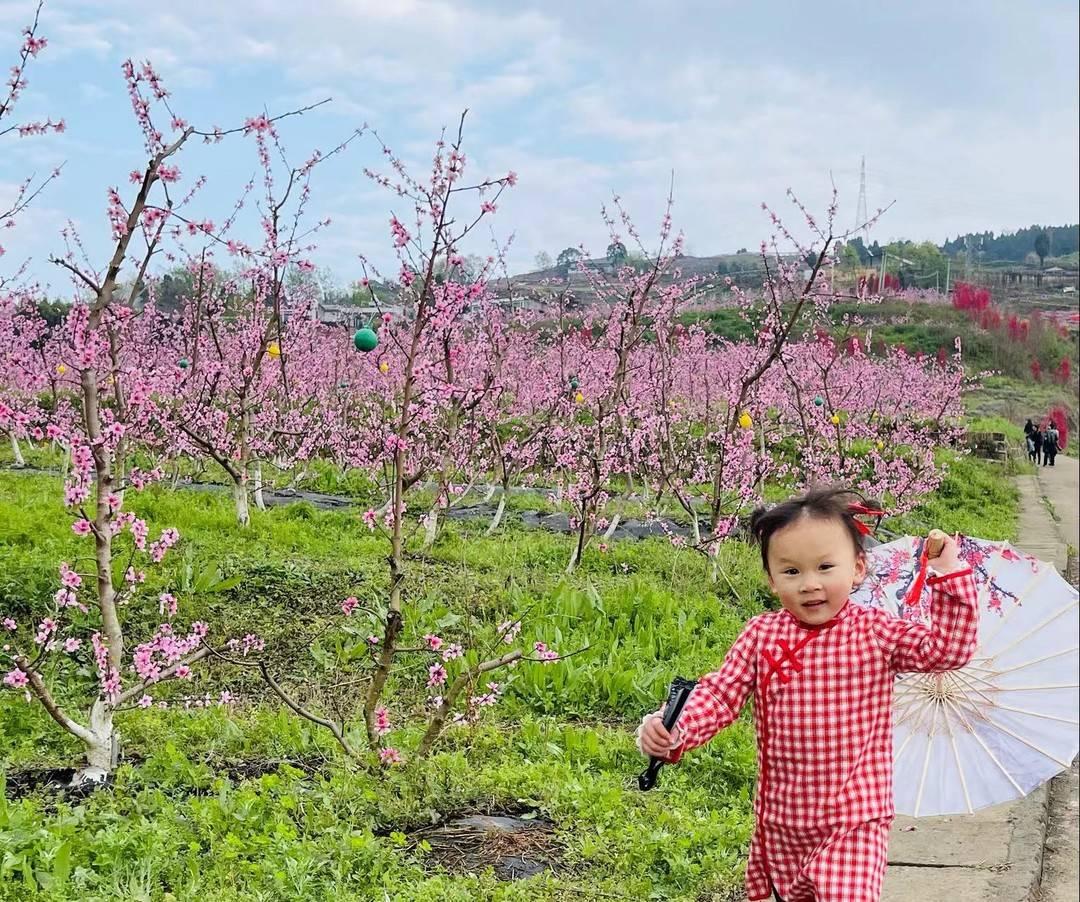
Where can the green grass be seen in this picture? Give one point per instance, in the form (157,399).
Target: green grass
(1003,398)
(184,822)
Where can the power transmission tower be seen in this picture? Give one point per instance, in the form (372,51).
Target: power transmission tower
(861,216)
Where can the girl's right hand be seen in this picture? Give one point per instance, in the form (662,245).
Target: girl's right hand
(654,740)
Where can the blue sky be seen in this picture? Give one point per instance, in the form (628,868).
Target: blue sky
(967,112)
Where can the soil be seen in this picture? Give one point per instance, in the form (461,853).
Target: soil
(513,846)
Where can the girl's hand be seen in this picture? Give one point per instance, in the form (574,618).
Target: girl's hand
(655,741)
(947,559)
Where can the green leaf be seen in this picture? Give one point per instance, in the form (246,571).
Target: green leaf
(61,865)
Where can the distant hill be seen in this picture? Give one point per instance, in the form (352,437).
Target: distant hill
(1063,242)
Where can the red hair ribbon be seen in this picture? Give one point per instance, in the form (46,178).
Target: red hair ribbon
(857,508)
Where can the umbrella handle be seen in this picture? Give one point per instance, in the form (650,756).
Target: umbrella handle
(935,541)
(677,696)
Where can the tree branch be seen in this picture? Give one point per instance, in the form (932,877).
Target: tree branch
(45,697)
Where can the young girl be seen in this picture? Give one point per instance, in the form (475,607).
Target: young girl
(821,673)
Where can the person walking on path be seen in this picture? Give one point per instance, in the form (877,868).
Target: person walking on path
(1050,445)
(1037,438)
(1029,427)
(821,672)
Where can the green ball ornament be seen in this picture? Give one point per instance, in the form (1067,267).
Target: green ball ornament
(574,384)
(183,363)
(366,340)
(819,400)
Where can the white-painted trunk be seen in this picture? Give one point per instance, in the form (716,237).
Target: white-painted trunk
(696,526)
(497,519)
(490,493)
(103,751)
(243,516)
(431,527)
(176,476)
(612,526)
(259,502)
(17,451)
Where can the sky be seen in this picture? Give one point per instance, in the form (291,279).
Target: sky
(967,113)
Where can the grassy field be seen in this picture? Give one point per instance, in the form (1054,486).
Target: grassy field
(258,805)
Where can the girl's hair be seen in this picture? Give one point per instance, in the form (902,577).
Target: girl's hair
(821,504)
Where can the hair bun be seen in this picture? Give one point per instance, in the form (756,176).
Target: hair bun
(756,516)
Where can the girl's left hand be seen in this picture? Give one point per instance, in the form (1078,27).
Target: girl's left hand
(947,559)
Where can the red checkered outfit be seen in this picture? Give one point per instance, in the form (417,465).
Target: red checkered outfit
(823,716)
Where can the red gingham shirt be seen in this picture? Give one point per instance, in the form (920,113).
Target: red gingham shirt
(823,702)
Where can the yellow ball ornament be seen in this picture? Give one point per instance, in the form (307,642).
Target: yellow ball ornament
(579,398)
(61,369)
(384,367)
(745,420)
(835,419)
(273,349)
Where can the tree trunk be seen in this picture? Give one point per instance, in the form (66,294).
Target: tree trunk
(696,527)
(497,519)
(490,493)
(431,527)
(103,750)
(243,517)
(259,503)
(17,451)
(579,543)
(612,526)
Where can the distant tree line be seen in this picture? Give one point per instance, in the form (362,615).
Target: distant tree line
(1043,241)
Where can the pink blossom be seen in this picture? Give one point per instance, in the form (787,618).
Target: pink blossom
(10,624)
(487,207)
(399,232)
(183,672)
(167,604)
(226,697)
(45,630)
(389,756)
(349,605)
(81,527)
(146,702)
(69,577)
(382,721)
(373,640)
(509,630)
(72,644)
(369,519)
(452,652)
(434,642)
(16,679)
(436,675)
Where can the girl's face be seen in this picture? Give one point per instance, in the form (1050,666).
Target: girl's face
(813,567)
